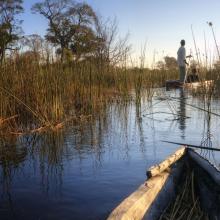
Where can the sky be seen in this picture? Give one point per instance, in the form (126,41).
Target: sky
(161,24)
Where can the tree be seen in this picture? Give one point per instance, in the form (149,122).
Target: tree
(9,25)
(86,43)
(160,65)
(170,63)
(71,25)
(112,48)
(33,42)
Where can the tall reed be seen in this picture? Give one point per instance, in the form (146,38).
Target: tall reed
(45,95)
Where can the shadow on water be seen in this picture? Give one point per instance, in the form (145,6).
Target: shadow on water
(85,170)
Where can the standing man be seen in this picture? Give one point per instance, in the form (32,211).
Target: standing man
(181,60)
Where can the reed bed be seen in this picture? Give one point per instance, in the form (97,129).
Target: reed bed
(35,96)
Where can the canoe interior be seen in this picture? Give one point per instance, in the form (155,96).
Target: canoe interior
(190,192)
(184,186)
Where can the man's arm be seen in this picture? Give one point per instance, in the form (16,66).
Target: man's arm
(186,62)
(189,56)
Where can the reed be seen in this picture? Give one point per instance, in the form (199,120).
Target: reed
(35,97)
(186,205)
(47,95)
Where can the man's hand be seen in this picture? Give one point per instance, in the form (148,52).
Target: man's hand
(186,63)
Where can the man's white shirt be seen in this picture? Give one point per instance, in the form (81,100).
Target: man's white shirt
(181,56)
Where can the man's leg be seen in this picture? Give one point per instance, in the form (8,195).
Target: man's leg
(182,71)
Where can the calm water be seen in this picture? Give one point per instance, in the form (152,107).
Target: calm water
(83,172)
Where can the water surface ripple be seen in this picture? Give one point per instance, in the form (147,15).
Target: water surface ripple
(84,171)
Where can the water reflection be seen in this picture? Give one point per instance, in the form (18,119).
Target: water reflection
(182,112)
(83,171)
(11,156)
(139,124)
(207,136)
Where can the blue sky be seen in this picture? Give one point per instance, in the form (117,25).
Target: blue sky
(162,23)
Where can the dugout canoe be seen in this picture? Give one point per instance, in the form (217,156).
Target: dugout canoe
(184,186)
(174,84)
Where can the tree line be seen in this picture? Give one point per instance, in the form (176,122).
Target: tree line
(74,32)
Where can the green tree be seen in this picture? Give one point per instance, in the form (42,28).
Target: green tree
(9,25)
(71,25)
(170,63)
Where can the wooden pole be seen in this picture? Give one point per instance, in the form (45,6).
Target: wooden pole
(193,146)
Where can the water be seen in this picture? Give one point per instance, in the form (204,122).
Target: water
(84,171)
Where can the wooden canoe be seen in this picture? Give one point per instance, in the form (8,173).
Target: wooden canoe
(173,84)
(184,186)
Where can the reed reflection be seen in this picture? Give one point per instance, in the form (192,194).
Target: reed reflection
(207,136)
(182,112)
(139,124)
(11,158)
(59,166)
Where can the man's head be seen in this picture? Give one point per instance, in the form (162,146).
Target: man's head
(182,42)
